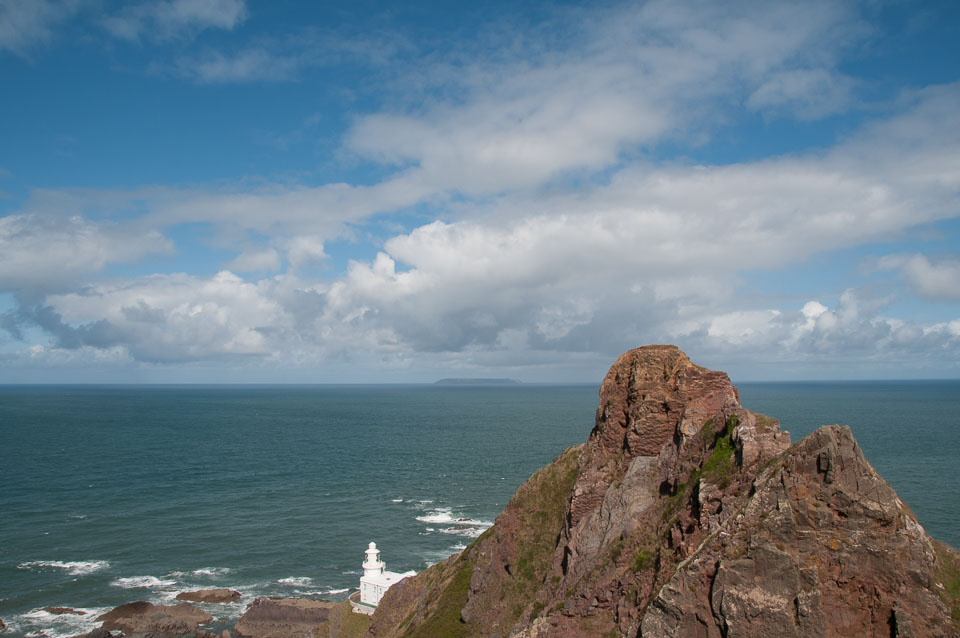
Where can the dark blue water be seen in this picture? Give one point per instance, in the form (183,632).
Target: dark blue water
(113,494)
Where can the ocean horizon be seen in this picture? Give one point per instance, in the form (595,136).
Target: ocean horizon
(114,493)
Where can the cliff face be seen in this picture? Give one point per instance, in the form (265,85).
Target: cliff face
(686,515)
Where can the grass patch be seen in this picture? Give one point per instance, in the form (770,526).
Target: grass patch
(616,548)
(352,625)
(644,560)
(543,502)
(720,465)
(765,423)
(948,572)
(444,619)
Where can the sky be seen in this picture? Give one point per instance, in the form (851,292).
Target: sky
(245,191)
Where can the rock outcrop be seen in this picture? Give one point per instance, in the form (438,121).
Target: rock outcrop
(220,595)
(685,514)
(60,611)
(142,617)
(270,617)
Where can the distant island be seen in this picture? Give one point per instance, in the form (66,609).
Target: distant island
(477,381)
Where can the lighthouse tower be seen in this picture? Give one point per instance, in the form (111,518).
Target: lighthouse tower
(376,580)
(372,565)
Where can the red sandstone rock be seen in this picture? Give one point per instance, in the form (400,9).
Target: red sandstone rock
(686,515)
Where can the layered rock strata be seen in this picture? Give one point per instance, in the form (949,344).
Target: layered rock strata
(142,617)
(219,595)
(685,514)
(285,618)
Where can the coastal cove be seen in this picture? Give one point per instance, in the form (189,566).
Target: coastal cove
(119,493)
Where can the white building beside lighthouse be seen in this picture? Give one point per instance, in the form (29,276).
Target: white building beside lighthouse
(374,583)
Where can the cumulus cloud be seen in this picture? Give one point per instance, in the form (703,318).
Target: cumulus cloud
(850,331)
(634,77)
(166,318)
(256,261)
(46,254)
(936,280)
(523,269)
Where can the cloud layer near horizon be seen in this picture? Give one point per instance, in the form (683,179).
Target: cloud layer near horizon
(550,231)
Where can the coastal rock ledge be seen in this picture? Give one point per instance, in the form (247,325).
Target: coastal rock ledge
(220,595)
(686,515)
(146,618)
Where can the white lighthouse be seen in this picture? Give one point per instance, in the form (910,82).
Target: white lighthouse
(374,583)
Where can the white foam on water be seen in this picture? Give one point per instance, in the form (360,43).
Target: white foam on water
(74,568)
(459,547)
(396,500)
(351,571)
(211,571)
(469,532)
(429,529)
(142,582)
(42,623)
(298,581)
(439,515)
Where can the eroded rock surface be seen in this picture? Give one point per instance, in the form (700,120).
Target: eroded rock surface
(60,611)
(220,595)
(685,514)
(142,617)
(285,618)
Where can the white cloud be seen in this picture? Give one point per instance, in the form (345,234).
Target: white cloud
(170,318)
(524,268)
(851,331)
(256,261)
(25,24)
(170,18)
(631,78)
(652,255)
(41,254)
(248,65)
(938,280)
(804,93)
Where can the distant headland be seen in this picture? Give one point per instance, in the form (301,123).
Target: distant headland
(476,381)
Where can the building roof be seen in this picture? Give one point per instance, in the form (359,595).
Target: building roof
(385,579)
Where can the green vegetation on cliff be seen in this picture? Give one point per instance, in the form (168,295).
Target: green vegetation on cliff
(444,617)
(431,604)
(948,563)
(542,502)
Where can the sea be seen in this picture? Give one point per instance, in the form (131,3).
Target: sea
(110,494)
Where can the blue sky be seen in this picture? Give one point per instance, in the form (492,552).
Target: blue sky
(241,191)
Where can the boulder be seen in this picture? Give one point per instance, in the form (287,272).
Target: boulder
(59,611)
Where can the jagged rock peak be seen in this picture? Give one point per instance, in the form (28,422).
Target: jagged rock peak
(649,392)
(685,514)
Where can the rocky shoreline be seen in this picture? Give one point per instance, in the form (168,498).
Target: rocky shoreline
(264,618)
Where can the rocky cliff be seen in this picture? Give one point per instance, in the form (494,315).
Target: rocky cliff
(686,515)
